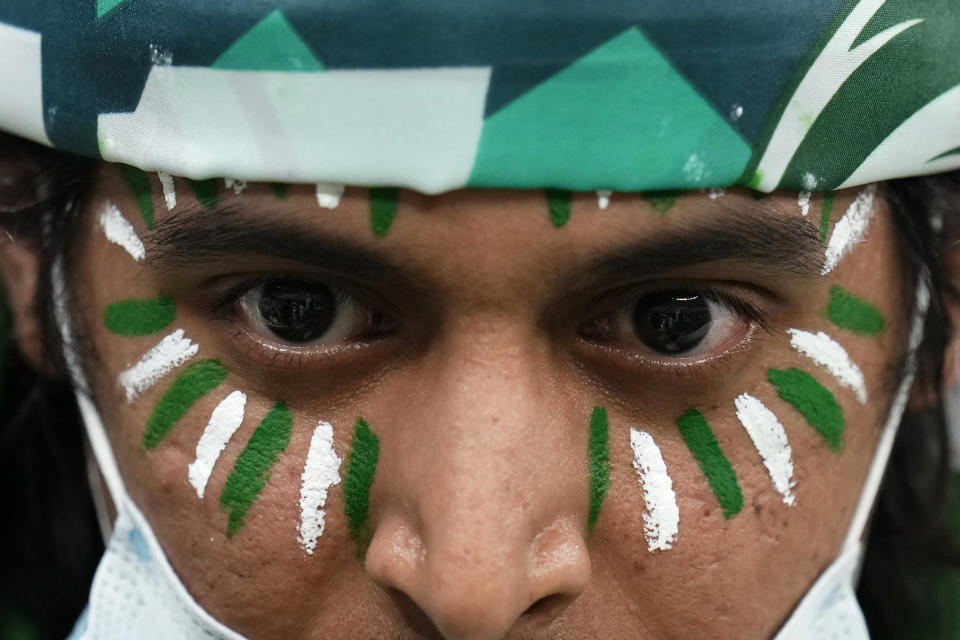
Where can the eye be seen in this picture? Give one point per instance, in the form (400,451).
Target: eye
(678,323)
(304,313)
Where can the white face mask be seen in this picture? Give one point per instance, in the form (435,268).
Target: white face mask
(137,594)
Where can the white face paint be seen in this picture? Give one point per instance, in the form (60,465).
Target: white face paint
(321,471)
(224,422)
(828,353)
(169,190)
(803,201)
(770,440)
(170,353)
(120,232)
(328,195)
(237,185)
(850,229)
(661,522)
(603,198)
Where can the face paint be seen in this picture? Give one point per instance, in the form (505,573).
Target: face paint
(140,317)
(251,471)
(120,232)
(826,210)
(851,229)
(137,180)
(558,201)
(361,466)
(320,473)
(813,401)
(770,440)
(803,201)
(716,193)
(598,463)
(328,195)
(715,466)
(603,198)
(224,422)
(205,192)
(196,381)
(237,185)
(167,355)
(280,189)
(852,313)
(169,189)
(661,201)
(383,209)
(661,522)
(828,353)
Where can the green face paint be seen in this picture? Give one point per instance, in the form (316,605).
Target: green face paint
(138,181)
(139,317)
(205,191)
(662,201)
(383,209)
(192,384)
(361,465)
(598,463)
(280,190)
(715,466)
(251,471)
(826,210)
(559,203)
(852,313)
(813,401)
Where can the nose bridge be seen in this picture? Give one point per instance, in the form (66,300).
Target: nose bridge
(491,504)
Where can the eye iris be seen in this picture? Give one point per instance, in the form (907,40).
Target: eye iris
(672,323)
(297,311)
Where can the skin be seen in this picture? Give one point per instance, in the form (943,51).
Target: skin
(480,392)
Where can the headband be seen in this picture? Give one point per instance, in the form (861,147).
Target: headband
(625,96)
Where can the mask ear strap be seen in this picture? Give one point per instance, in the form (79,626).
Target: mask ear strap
(871,486)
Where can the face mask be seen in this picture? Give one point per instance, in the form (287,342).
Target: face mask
(137,594)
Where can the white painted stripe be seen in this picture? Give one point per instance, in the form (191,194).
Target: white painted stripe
(828,353)
(224,422)
(170,353)
(851,229)
(321,471)
(169,190)
(717,192)
(803,201)
(770,440)
(661,522)
(237,185)
(121,232)
(603,198)
(328,195)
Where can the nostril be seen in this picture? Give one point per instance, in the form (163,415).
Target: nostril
(546,608)
(416,623)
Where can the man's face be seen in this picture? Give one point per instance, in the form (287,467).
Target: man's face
(621,425)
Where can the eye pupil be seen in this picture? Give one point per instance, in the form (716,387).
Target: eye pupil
(672,323)
(297,311)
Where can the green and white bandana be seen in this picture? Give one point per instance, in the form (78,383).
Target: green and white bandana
(626,96)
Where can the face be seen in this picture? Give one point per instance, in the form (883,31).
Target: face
(490,414)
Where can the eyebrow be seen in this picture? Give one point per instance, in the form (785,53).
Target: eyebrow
(786,247)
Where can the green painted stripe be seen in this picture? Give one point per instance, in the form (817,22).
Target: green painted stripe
(662,201)
(361,465)
(280,189)
(558,201)
(205,191)
(251,471)
(852,313)
(138,181)
(192,384)
(813,401)
(383,209)
(826,210)
(598,463)
(715,466)
(139,317)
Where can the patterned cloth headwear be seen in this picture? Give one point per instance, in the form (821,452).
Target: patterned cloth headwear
(544,93)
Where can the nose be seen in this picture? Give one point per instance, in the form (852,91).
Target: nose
(483,500)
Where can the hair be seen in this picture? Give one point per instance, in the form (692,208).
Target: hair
(43,194)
